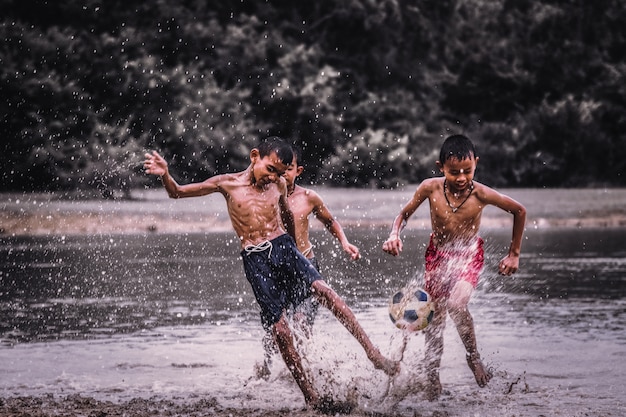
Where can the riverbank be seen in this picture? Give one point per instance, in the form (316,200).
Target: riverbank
(151,211)
(78,405)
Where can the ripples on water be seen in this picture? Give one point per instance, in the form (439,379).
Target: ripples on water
(569,291)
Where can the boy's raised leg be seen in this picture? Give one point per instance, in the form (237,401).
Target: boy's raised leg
(329,299)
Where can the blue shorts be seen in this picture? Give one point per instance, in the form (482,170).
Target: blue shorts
(280,276)
(309,306)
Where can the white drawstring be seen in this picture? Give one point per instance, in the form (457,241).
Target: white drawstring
(307,251)
(263,246)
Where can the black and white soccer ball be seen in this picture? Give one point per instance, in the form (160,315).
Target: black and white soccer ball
(411,310)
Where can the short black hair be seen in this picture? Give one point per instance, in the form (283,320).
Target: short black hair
(297,153)
(457,146)
(276,144)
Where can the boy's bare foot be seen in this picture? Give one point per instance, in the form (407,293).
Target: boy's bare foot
(433,386)
(481,374)
(388,366)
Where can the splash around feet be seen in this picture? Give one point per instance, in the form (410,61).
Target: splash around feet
(433,387)
(327,405)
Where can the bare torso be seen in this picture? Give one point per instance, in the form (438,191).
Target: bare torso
(454,226)
(253,210)
(457,218)
(302,205)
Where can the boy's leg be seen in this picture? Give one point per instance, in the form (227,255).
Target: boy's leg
(329,299)
(284,341)
(434,350)
(457,308)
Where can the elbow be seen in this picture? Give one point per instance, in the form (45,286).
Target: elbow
(521,213)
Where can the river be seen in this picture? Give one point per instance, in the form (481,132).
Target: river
(123,316)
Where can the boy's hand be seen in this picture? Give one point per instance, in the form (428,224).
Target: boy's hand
(353,251)
(393,246)
(508,265)
(155,164)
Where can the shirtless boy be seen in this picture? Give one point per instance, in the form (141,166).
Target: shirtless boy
(454,257)
(304,202)
(279,274)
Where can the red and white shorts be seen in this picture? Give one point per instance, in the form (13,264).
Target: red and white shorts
(449,264)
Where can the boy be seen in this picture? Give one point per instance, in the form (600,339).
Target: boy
(454,257)
(304,202)
(278,273)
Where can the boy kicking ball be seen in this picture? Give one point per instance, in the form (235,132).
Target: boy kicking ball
(279,274)
(455,255)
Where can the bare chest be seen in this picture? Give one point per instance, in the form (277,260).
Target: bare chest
(300,207)
(248,203)
(455,217)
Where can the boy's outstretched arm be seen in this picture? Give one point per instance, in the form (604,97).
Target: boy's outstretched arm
(155,164)
(510,263)
(393,245)
(322,214)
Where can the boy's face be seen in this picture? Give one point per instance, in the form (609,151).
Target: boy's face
(267,169)
(293,171)
(459,173)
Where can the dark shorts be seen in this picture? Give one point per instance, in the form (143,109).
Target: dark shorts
(315,264)
(310,306)
(280,277)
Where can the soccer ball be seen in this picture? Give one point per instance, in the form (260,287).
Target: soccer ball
(411,310)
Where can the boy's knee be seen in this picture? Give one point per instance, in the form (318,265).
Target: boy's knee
(320,287)
(459,297)
(456,306)
(322,292)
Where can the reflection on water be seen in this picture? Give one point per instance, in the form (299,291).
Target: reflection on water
(85,287)
(92,287)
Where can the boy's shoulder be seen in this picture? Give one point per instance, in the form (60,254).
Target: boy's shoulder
(485,192)
(235,177)
(230,181)
(304,192)
(433,181)
(480,187)
(431,184)
(306,197)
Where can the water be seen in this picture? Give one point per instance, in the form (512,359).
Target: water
(126,316)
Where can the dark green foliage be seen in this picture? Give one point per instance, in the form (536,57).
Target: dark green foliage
(368,89)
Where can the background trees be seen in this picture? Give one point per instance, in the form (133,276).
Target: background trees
(367,88)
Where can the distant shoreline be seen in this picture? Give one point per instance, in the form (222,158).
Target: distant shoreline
(51,224)
(152,212)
